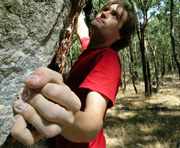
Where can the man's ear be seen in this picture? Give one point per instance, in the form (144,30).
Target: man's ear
(118,36)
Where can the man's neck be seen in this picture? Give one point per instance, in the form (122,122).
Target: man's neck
(97,43)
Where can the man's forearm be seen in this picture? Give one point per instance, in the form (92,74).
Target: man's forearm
(82,29)
(85,128)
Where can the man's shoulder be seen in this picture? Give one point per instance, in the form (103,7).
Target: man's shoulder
(109,52)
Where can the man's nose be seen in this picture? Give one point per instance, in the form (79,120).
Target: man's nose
(104,14)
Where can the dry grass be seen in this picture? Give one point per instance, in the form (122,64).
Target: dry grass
(139,122)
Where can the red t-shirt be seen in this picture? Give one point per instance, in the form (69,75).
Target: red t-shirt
(96,70)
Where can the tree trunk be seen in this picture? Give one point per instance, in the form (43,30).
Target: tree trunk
(155,64)
(172,38)
(31,34)
(146,68)
(178,28)
(163,69)
(170,63)
(131,60)
(135,58)
(145,63)
(124,74)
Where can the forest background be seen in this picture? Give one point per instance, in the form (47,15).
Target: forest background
(146,112)
(155,49)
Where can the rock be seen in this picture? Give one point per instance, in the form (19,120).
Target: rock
(30,35)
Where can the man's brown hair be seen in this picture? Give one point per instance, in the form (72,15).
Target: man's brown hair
(128,27)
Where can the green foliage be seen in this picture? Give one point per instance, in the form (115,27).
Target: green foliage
(99,3)
(157,30)
(76,48)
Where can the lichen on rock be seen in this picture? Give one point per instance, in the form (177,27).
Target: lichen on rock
(30,32)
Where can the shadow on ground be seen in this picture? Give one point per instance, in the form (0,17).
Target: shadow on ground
(139,122)
(147,128)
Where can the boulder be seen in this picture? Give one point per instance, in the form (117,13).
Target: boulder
(31,33)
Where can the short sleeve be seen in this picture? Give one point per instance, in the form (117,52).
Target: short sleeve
(105,75)
(84,43)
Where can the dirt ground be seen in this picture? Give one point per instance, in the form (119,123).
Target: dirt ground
(139,122)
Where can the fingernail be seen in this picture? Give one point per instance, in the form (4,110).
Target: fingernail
(25,94)
(33,78)
(20,105)
(17,118)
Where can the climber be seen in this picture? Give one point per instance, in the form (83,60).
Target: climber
(74,112)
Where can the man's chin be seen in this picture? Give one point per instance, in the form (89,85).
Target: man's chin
(95,24)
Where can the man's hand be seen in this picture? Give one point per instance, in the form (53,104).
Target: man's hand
(47,103)
(82,29)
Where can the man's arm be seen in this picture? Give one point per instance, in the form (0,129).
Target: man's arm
(82,29)
(87,124)
(62,117)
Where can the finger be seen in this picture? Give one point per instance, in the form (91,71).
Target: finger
(42,76)
(20,132)
(49,110)
(43,126)
(62,95)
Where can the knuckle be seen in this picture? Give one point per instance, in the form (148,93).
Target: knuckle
(50,132)
(50,72)
(30,114)
(76,105)
(52,90)
(41,69)
(35,100)
(52,113)
(70,120)
(57,113)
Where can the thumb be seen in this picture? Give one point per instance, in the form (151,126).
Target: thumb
(42,76)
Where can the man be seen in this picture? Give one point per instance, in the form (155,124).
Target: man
(75,112)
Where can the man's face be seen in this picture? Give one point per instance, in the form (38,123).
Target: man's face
(108,22)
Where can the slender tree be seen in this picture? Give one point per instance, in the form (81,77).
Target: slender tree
(131,61)
(141,35)
(123,76)
(172,37)
(155,63)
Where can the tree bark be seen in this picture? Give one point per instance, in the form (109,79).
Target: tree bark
(135,57)
(141,33)
(155,64)
(172,38)
(131,60)
(163,68)
(124,73)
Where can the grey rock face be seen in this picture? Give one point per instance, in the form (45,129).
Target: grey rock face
(29,37)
